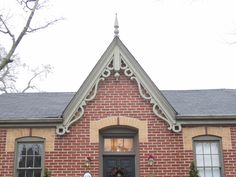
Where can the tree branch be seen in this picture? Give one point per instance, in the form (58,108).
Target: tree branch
(7,59)
(46,70)
(7,30)
(30,30)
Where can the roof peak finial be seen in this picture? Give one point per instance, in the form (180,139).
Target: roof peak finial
(116,26)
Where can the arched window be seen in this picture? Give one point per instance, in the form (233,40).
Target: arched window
(208,156)
(29,157)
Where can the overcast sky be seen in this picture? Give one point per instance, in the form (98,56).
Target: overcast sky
(181,44)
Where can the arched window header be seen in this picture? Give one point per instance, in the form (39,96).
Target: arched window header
(118,130)
(207,138)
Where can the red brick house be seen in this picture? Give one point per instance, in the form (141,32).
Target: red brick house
(118,124)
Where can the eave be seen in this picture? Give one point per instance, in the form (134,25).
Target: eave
(30,122)
(206,119)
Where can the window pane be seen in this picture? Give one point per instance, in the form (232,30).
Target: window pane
(29,162)
(215,160)
(21,173)
(199,159)
(206,148)
(208,172)
(37,161)
(199,148)
(22,149)
(201,172)
(29,149)
(216,172)
(207,160)
(37,149)
(21,161)
(37,173)
(107,145)
(118,144)
(128,144)
(29,173)
(214,148)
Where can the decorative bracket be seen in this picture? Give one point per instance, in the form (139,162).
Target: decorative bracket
(117,64)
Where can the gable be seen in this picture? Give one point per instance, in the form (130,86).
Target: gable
(116,60)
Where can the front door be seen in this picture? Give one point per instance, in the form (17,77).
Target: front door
(118,166)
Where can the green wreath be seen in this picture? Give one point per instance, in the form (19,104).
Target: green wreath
(115,171)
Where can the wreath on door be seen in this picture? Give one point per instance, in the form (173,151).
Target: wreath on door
(115,171)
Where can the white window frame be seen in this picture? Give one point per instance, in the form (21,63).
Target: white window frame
(29,140)
(209,139)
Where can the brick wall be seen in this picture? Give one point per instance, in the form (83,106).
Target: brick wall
(65,156)
(6,158)
(230,156)
(119,98)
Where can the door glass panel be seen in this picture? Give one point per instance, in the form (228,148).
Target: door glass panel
(118,144)
(114,166)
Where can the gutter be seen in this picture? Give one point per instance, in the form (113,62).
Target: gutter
(206,119)
(29,122)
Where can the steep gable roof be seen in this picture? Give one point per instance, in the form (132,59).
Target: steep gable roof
(117,58)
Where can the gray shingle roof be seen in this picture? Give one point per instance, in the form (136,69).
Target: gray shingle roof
(51,105)
(203,102)
(33,105)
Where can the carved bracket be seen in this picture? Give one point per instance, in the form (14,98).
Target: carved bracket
(117,64)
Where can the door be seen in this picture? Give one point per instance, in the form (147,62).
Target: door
(118,166)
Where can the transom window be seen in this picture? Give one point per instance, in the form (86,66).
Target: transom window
(208,157)
(118,145)
(29,158)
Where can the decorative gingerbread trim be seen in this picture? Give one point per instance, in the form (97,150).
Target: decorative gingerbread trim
(118,63)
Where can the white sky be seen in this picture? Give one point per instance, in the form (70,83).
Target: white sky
(181,44)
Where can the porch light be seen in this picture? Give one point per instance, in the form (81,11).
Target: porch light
(87,162)
(151,160)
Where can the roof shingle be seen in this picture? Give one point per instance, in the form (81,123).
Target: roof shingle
(52,104)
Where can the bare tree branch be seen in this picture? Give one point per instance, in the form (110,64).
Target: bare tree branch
(7,59)
(30,30)
(9,75)
(7,30)
(27,4)
(36,74)
(9,72)
(4,28)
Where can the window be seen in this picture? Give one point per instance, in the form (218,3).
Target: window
(118,145)
(29,157)
(208,156)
